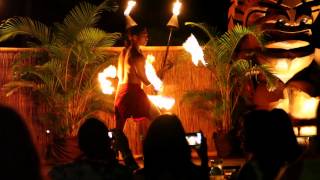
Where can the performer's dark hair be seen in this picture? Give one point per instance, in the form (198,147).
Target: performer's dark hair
(134,30)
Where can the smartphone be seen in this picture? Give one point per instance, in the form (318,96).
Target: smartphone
(194,139)
(110,134)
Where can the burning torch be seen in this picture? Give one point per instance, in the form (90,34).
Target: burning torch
(172,24)
(129,21)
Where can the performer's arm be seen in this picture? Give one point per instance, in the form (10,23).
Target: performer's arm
(140,70)
(120,66)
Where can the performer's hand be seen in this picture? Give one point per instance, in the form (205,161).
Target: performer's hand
(162,71)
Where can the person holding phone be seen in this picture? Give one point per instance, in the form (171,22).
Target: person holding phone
(99,159)
(167,154)
(194,139)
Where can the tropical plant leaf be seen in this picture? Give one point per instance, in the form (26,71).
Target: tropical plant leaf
(209,31)
(229,41)
(80,17)
(230,74)
(25,26)
(94,37)
(64,78)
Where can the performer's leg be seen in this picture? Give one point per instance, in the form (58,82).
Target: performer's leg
(120,122)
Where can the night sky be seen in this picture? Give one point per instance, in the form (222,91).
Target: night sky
(153,13)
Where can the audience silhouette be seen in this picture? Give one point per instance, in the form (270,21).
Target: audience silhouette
(20,158)
(167,154)
(269,139)
(307,166)
(98,160)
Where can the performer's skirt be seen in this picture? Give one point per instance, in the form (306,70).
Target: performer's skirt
(131,102)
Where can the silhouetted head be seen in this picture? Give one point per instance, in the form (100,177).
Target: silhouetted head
(289,148)
(94,140)
(254,130)
(270,134)
(165,145)
(19,156)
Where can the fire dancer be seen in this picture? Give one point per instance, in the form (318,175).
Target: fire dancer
(131,100)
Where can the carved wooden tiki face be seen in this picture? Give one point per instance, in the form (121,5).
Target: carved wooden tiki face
(287,26)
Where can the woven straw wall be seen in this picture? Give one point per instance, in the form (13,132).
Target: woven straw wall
(182,77)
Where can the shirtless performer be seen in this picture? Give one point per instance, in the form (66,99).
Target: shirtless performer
(131,100)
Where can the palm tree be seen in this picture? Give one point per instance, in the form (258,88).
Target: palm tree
(230,72)
(65,78)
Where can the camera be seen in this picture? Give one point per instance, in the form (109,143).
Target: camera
(194,139)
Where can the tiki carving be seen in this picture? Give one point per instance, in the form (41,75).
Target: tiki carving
(289,49)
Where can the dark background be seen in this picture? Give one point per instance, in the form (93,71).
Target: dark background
(153,13)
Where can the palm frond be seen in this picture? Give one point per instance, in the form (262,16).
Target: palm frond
(209,31)
(270,78)
(241,67)
(229,41)
(94,37)
(14,86)
(25,26)
(82,16)
(64,78)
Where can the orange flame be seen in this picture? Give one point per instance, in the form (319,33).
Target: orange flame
(106,84)
(192,46)
(130,6)
(176,8)
(162,102)
(151,73)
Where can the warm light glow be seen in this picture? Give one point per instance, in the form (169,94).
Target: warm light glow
(105,84)
(130,6)
(151,73)
(282,104)
(176,8)
(162,102)
(285,68)
(288,44)
(296,131)
(298,104)
(304,106)
(303,141)
(192,46)
(317,55)
(308,131)
(282,66)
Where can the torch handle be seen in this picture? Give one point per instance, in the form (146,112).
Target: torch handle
(167,49)
(162,69)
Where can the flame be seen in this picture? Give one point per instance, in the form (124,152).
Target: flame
(151,73)
(105,84)
(130,6)
(192,46)
(299,104)
(176,8)
(162,102)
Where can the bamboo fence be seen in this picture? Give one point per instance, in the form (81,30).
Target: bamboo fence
(181,78)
